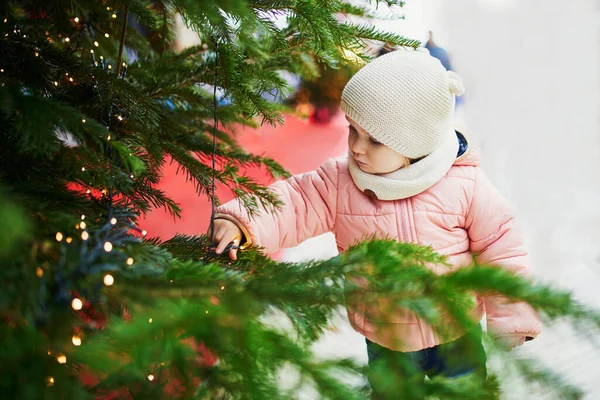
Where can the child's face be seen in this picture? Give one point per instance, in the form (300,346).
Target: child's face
(371,156)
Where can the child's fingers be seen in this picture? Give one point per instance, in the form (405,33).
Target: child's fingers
(218,236)
(213,235)
(219,229)
(225,233)
(227,238)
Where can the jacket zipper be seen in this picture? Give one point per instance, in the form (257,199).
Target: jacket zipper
(404,223)
(407,238)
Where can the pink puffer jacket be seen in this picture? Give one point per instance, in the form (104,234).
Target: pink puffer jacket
(460,216)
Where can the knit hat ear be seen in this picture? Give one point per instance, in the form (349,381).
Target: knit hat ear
(456,84)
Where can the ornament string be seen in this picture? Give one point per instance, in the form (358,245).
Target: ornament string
(210,254)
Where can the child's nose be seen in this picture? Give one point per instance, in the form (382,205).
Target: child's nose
(358,147)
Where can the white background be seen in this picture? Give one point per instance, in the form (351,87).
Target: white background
(532,73)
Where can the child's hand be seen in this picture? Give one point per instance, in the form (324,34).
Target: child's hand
(225,233)
(509,342)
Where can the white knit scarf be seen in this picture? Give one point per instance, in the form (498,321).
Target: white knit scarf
(412,180)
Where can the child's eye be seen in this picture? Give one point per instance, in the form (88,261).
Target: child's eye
(374,141)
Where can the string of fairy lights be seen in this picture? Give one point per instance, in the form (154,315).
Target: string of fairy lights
(106,244)
(77,303)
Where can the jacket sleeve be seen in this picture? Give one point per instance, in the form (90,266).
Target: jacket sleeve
(309,209)
(495,240)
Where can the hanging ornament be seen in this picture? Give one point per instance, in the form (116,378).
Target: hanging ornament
(210,254)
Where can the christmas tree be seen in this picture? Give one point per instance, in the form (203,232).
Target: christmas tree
(94,102)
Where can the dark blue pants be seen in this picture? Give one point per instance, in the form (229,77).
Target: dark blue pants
(400,375)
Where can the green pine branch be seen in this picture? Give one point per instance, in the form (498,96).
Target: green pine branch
(81,157)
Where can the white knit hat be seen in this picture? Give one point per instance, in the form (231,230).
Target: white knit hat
(405,100)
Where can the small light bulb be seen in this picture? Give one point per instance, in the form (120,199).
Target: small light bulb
(37,54)
(5,19)
(82,217)
(96,43)
(88,191)
(83,225)
(206,311)
(76,19)
(59,236)
(76,340)
(71,79)
(131,176)
(108,137)
(109,66)
(76,304)
(144,233)
(67,40)
(130,261)
(50,381)
(120,118)
(2,70)
(82,169)
(39,272)
(55,83)
(83,120)
(92,51)
(106,35)
(62,359)
(150,377)
(108,246)
(102,57)
(69,239)
(124,64)
(108,280)
(114,15)
(150,321)
(85,235)
(222,287)
(113,221)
